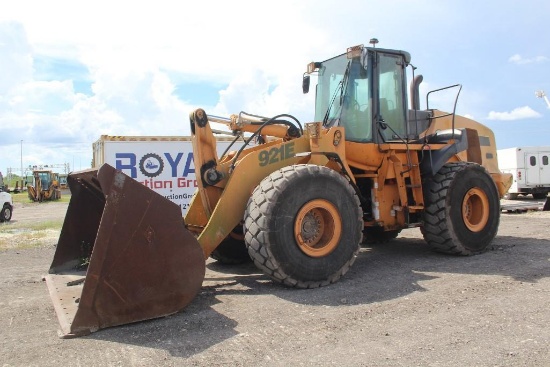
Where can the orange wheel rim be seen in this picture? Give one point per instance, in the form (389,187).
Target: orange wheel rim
(318,228)
(475,209)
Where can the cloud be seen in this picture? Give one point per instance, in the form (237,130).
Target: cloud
(15,56)
(520,60)
(42,105)
(519,113)
(257,93)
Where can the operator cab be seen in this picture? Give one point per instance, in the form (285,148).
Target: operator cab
(363,90)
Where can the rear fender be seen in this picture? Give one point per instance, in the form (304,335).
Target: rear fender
(433,160)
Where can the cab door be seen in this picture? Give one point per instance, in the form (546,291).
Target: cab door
(391,96)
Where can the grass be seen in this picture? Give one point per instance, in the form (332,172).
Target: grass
(47,224)
(22,235)
(22,197)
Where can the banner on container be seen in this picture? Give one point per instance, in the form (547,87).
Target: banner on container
(164,166)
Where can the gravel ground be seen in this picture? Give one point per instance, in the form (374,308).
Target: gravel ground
(400,305)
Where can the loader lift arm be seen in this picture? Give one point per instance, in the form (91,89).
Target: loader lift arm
(280,142)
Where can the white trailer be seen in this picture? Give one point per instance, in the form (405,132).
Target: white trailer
(530,167)
(162,163)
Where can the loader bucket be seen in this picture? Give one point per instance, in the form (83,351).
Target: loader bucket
(123,255)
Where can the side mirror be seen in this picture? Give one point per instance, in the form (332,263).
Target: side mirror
(305,84)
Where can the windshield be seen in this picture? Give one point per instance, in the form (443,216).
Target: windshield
(343,97)
(44,179)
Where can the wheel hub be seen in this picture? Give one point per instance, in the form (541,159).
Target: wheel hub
(312,227)
(318,228)
(475,209)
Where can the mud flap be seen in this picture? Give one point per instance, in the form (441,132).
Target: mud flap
(123,255)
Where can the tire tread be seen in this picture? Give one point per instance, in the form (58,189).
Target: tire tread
(260,204)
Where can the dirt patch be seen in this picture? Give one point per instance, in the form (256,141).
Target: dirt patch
(33,213)
(33,225)
(400,305)
(23,238)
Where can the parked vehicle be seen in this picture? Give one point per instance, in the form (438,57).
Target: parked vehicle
(530,169)
(45,186)
(6,202)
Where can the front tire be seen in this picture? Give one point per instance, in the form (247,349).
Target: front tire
(462,209)
(303,226)
(5,213)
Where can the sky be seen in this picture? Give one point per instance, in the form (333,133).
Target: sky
(72,71)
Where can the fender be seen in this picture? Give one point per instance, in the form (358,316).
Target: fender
(459,140)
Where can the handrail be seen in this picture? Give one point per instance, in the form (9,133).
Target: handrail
(454,107)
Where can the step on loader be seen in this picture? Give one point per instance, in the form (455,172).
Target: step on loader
(299,201)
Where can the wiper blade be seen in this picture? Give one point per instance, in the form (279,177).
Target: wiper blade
(338,87)
(342,86)
(345,80)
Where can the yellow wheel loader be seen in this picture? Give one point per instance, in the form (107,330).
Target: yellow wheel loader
(298,202)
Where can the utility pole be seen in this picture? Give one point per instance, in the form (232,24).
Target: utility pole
(21,161)
(541,94)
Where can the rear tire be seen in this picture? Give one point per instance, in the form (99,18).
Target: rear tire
(303,226)
(540,195)
(373,235)
(462,209)
(232,250)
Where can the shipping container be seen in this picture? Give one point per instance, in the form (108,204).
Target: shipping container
(162,163)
